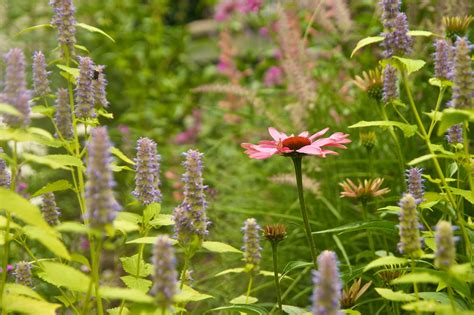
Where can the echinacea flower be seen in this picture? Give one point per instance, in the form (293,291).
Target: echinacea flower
(366,190)
(296,146)
(371,82)
(456,26)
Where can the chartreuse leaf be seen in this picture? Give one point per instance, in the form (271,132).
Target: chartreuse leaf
(232,270)
(29,135)
(293,310)
(162,220)
(430,306)
(420,277)
(49,239)
(188,294)
(408,130)
(55,161)
(118,311)
(244,308)
(130,264)
(22,208)
(243,299)
(36,27)
(218,247)
(466,194)
(398,296)
(94,29)
(410,65)
(151,211)
(147,240)
(19,289)
(58,185)
(115,151)
(386,261)
(366,41)
(27,305)
(452,116)
(74,72)
(420,33)
(72,227)
(9,109)
(127,294)
(140,284)
(61,275)
(3,224)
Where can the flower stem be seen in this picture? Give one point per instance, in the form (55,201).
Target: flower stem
(185,269)
(365,217)
(275,272)
(249,288)
(304,213)
(415,284)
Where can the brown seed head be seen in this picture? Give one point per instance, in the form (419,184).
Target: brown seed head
(275,232)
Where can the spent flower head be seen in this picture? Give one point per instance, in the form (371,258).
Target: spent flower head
(371,82)
(275,233)
(456,26)
(368,139)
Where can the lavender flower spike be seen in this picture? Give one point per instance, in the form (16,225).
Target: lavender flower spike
(65,23)
(390,91)
(23,273)
(397,41)
(100,201)
(463,76)
(147,168)
(251,248)
(165,277)
(4,175)
(415,183)
(15,76)
(84,89)
(390,10)
(443,59)
(445,254)
(99,84)
(63,115)
(410,241)
(50,210)
(454,135)
(327,286)
(40,75)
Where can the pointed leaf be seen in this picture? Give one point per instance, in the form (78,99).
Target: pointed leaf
(61,275)
(49,239)
(218,247)
(366,41)
(93,29)
(408,130)
(58,185)
(22,208)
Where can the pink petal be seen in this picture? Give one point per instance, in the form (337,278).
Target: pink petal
(318,134)
(311,150)
(276,135)
(304,134)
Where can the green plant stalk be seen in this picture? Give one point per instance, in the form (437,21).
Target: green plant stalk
(459,214)
(185,269)
(249,288)
(95,249)
(451,298)
(438,103)
(275,274)
(365,217)
(415,284)
(304,213)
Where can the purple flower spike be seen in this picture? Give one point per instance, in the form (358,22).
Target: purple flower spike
(327,285)
(390,10)
(463,78)
(63,115)
(251,248)
(99,84)
(50,210)
(100,201)
(147,168)
(454,135)
(4,175)
(273,76)
(165,277)
(445,254)
(65,23)
(40,75)
(443,59)
(15,77)
(415,183)
(410,241)
(23,273)
(390,90)
(85,95)
(397,41)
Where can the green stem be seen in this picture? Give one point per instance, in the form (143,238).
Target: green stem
(95,249)
(304,213)
(438,103)
(415,284)
(365,217)
(401,161)
(183,272)
(249,288)
(275,274)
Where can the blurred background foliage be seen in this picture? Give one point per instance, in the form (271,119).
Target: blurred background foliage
(165,48)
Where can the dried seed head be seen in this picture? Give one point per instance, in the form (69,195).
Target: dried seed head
(456,26)
(275,233)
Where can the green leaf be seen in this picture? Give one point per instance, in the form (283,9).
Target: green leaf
(292,265)
(147,240)
(398,296)
(218,247)
(125,226)
(420,33)
(29,135)
(419,277)
(162,220)
(188,294)
(22,208)
(367,41)
(19,289)
(242,299)
(231,270)
(58,185)
(243,308)
(440,83)
(130,264)
(357,226)
(386,261)
(27,305)
(425,306)
(410,65)
(33,28)
(43,110)
(115,151)
(408,130)
(466,194)
(61,275)
(74,72)
(151,211)
(127,294)
(452,116)
(55,161)
(293,310)
(49,239)
(93,29)
(72,227)
(10,110)
(140,284)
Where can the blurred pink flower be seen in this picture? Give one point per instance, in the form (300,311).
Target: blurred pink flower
(299,145)
(273,76)
(225,9)
(247,6)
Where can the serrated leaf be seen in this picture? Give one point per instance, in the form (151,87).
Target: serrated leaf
(453,116)
(231,270)
(49,239)
(218,247)
(386,261)
(162,220)
(410,65)
(466,194)
(140,284)
(420,277)
(151,211)
(55,161)
(27,305)
(94,29)
(115,151)
(61,275)
(125,226)
(127,294)
(58,185)
(19,289)
(10,110)
(408,130)
(130,265)
(74,72)
(398,296)
(43,110)
(22,208)
(28,136)
(188,294)
(242,299)
(366,41)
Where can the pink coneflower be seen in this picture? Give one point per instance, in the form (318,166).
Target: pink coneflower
(299,145)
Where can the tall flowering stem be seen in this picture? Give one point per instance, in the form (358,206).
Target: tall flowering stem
(275,234)
(304,213)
